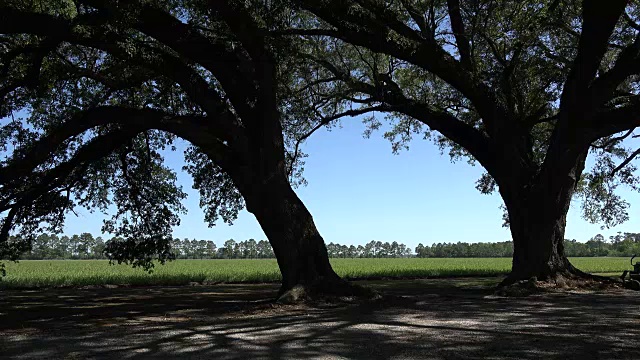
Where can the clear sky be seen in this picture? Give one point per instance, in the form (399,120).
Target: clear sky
(359,191)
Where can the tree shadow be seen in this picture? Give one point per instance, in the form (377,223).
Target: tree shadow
(431,320)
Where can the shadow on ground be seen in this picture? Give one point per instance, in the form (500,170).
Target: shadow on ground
(435,319)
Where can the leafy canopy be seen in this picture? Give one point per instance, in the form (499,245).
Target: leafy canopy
(94,92)
(510,84)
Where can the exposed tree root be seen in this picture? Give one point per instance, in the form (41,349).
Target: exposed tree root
(570,272)
(569,280)
(327,290)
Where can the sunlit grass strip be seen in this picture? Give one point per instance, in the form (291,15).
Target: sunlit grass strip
(45,273)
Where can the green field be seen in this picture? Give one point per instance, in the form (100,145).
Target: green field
(47,273)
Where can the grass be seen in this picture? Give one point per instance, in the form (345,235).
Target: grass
(51,273)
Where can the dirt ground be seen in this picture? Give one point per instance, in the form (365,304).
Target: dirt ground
(433,319)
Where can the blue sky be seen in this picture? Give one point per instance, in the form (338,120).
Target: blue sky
(359,191)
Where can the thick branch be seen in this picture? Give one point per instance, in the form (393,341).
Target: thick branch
(457,26)
(599,21)
(222,62)
(13,21)
(43,148)
(152,58)
(355,26)
(616,120)
(476,143)
(96,149)
(630,21)
(567,143)
(383,16)
(419,19)
(625,163)
(244,27)
(103,145)
(8,223)
(627,64)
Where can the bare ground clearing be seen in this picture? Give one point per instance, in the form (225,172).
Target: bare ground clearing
(434,319)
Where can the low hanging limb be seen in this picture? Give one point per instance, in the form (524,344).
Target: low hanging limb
(49,180)
(614,140)
(8,224)
(625,162)
(465,134)
(81,122)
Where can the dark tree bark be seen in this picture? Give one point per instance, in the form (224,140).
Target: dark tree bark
(299,248)
(297,244)
(536,183)
(538,235)
(537,219)
(245,139)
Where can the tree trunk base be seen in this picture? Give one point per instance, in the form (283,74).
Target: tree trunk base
(325,290)
(569,272)
(568,279)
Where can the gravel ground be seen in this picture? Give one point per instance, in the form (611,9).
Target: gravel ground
(424,319)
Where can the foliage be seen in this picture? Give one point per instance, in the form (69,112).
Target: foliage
(373,249)
(51,246)
(219,197)
(206,249)
(85,246)
(460,249)
(525,89)
(92,92)
(622,244)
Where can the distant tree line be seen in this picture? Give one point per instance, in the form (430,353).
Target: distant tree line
(622,244)
(83,246)
(460,249)
(374,249)
(86,246)
(231,249)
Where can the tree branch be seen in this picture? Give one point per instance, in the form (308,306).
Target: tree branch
(476,143)
(304,32)
(599,20)
(630,21)
(625,163)
(627,64)
(7,224)
(152,58)
(97,148)
(358,27)
(245,28)
(624,118)
(567,145)
(14,21)
(223,63)
(79,123)
(457,26)
(419,19)
(613,140)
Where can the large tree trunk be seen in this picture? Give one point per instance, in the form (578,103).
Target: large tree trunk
(537,219)
(259,174)
(538,237)
(299,248)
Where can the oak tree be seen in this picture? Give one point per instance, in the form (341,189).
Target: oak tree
(526,89)
(106,85)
